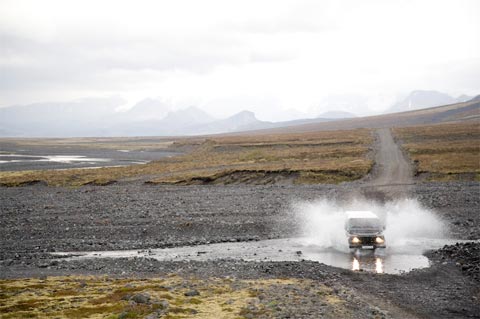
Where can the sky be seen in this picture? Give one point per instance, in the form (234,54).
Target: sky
(277,58)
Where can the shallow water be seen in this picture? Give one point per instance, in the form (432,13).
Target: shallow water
(14,161)
(395,259)
(17,158)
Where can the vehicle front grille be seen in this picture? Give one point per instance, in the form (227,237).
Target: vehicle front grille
(367,240)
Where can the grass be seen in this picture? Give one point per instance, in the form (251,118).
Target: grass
(443,152)
(320,157)
(103,297)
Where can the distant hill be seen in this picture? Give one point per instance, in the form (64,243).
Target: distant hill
(179,122)
(338,105)
(147,109)
(151,117)
(73,118)
(464,98)
(422,99)
(189,116)
(241,121)
(459,112)
(476,99)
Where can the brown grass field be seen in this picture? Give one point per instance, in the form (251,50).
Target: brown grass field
(443,152)
(318,157)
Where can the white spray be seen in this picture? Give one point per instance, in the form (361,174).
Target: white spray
(322,221)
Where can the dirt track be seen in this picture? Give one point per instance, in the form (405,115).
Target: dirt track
(393,167)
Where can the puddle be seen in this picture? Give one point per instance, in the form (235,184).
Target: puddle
(397,258)
(17,158)
(73,158)
(60,159)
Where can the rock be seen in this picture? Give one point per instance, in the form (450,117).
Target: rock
(163,304)
(142,298)
(192,293)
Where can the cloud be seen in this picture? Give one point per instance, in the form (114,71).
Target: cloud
(295,53)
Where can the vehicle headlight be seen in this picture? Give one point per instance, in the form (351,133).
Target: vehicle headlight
(379,240)
(355,240)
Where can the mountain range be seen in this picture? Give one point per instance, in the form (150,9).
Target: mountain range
(152,117)
(421,99)
(452,113)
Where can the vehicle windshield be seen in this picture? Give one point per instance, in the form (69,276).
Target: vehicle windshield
(364,224)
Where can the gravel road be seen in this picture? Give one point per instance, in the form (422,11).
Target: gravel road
(394,174)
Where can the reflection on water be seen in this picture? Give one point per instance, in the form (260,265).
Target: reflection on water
(379,266)
(355,264)
(26,161)
(366,264)
(68,159)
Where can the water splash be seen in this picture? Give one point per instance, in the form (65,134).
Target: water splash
(406,220)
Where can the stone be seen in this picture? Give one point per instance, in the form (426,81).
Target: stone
(192,293)
(142,298)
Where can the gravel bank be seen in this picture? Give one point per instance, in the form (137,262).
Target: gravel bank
(138,216)
(38,219)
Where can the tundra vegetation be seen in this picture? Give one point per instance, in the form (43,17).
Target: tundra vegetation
(303,158)
(171,297)
(443,152)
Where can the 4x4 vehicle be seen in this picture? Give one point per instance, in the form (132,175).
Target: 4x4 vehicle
(364,230)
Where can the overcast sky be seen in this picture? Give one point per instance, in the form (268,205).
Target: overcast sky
(224,56)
